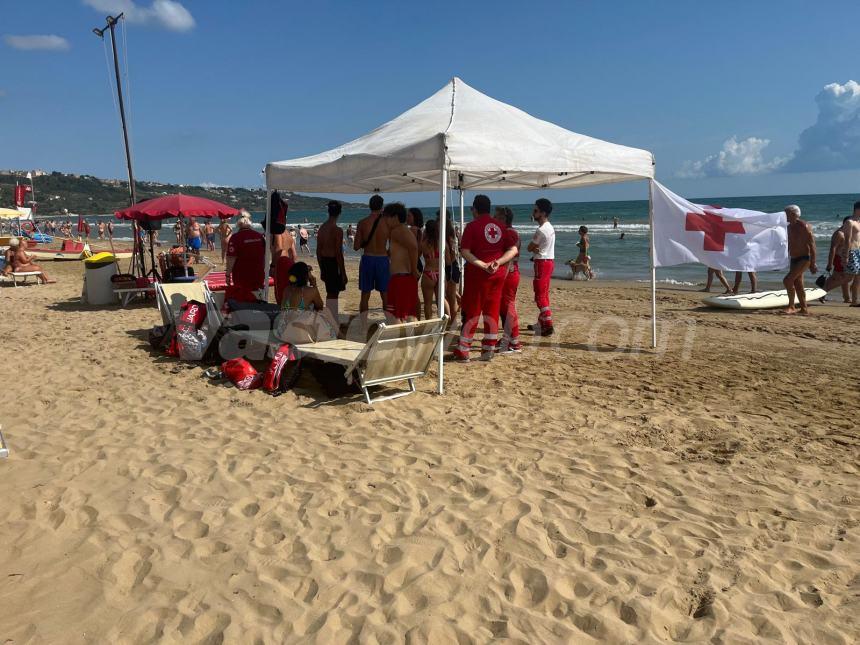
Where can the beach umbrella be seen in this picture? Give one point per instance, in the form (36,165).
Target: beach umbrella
(176,206)
(10,213)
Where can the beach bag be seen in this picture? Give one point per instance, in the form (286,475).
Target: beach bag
(283,371)
(298,327)
(159,336)
(191,340)
(242,374)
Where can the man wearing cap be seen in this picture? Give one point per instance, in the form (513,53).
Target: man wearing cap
(246,253)
(801,251)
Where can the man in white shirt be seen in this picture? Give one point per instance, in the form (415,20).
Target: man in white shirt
(542,247)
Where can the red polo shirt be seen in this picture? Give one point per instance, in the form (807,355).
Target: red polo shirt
(249,249)
(487,239)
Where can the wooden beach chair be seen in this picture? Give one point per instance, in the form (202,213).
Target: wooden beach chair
(401,352)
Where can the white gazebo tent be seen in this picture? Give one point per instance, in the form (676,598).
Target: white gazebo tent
(465,140)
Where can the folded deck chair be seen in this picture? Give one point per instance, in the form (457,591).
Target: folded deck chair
(171,297)
(401,352)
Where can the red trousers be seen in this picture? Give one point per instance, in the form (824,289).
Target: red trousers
(543,274)
(482,296)
(508,311)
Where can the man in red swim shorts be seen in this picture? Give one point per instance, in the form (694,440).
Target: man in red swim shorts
(403,253)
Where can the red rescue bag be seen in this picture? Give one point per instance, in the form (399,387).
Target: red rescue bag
(242,374)
(284,370)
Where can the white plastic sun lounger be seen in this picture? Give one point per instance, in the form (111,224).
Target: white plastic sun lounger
(401,352)
(23,276)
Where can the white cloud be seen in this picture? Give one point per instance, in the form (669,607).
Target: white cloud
(833,141)
(41,42)
(164,13)
(743,157)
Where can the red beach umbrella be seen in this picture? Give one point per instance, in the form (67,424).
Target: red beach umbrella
(176,206)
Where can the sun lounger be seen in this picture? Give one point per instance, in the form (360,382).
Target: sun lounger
(23,277)
(217,281)
(402,352)
(126,295)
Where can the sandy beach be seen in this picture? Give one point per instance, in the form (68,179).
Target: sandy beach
(590,489)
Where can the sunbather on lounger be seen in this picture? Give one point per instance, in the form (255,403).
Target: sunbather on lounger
(22,262)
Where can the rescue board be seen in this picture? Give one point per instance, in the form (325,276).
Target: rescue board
(761,299)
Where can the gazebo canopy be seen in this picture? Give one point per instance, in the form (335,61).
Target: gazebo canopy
(484,143)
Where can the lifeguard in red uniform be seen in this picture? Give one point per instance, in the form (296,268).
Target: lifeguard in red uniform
(487,248)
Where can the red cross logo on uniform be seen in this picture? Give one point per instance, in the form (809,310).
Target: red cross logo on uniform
(493,233)
(714,227)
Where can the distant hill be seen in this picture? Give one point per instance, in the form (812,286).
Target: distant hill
(88,195)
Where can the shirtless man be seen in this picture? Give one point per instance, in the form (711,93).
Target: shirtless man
(210,236)
(22,262)
(330,257)
(403,285)
(801,251)
(371,237)
(224,231)
(836,263)
(283,258)
(851,254)
(195,241)
(101,229)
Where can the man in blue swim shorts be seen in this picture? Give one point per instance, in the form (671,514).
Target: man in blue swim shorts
(371,238)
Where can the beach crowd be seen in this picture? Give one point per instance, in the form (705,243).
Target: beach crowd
(401,262)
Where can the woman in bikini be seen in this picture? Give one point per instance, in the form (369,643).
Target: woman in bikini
(430,278)
(583,261)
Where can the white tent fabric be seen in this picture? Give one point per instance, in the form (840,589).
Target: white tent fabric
(462,139)
(484,143)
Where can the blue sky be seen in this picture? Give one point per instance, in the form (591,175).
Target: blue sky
(719,92)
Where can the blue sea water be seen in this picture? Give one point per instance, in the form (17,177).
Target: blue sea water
(611,257)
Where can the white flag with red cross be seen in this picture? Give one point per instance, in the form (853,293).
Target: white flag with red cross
(731,239)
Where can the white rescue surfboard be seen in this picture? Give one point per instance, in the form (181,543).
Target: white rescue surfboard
(761,299)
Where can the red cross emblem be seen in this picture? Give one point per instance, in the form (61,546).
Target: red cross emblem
(492,233)
(714,227)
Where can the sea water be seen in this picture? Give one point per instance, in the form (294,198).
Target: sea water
(612,258)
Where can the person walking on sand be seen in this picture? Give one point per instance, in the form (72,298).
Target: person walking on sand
(303,240)
(402,303)
(542,248)
(177,231)
(716,273)
(801,251)
(851,254)
(209,230)
(330,257)
(739,277)
(836,263)
(371,237)
(195,241)
(101,230)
